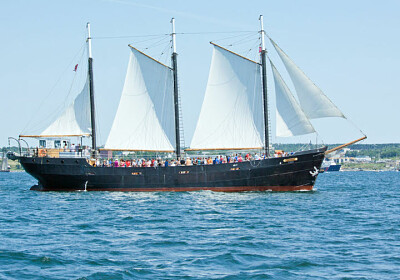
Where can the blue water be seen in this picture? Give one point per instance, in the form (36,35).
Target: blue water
(349,228)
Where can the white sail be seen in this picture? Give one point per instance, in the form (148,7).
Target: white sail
(4,163)
(145,117)
(290,119)
(313,101)
(75,120)
(231,115)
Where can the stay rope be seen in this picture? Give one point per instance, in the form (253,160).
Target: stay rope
(52,90)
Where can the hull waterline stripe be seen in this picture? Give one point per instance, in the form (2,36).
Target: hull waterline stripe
(216,189)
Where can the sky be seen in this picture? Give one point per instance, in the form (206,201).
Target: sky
(350,49)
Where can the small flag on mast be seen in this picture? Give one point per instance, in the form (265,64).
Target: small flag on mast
(259,50)
(76,67)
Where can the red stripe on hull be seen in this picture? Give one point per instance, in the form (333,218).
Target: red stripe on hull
(216,189)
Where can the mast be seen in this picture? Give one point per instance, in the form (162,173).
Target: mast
(264,86)
(91,91)
(176,93)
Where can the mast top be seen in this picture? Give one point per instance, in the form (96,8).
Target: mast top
(89,40)
(173,35)
(261,18)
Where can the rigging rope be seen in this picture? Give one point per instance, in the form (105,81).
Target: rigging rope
(178,33)
(53,88)
(243,40)
(157,43)
(127,36)
(167,48)
(147,40)
(353,124)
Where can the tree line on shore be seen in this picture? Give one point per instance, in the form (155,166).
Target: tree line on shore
(383,151)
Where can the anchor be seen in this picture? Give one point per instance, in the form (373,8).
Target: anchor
(315,172)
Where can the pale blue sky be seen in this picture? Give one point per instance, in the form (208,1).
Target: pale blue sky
(350,49)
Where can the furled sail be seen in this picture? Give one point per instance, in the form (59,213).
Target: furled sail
(145,117)
(231,115)
(290,119)
(313,101)
(75,120)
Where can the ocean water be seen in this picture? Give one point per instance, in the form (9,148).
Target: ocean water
(348,228)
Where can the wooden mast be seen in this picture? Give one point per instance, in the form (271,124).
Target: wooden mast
(176,93)
(264,87)
(91,92)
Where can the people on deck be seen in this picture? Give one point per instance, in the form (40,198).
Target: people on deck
(184,161)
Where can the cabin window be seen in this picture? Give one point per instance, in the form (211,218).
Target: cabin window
(136,173)
(235,168)
(57,144)
(42,143)
(183,172)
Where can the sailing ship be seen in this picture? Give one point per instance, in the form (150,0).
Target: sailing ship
(148,119)
(4,164)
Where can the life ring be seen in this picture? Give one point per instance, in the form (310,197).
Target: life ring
(42,153)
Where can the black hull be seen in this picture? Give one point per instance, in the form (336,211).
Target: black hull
(335,167)
(292,173)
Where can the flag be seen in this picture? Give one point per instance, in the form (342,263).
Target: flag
(259,50)
(76,67)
